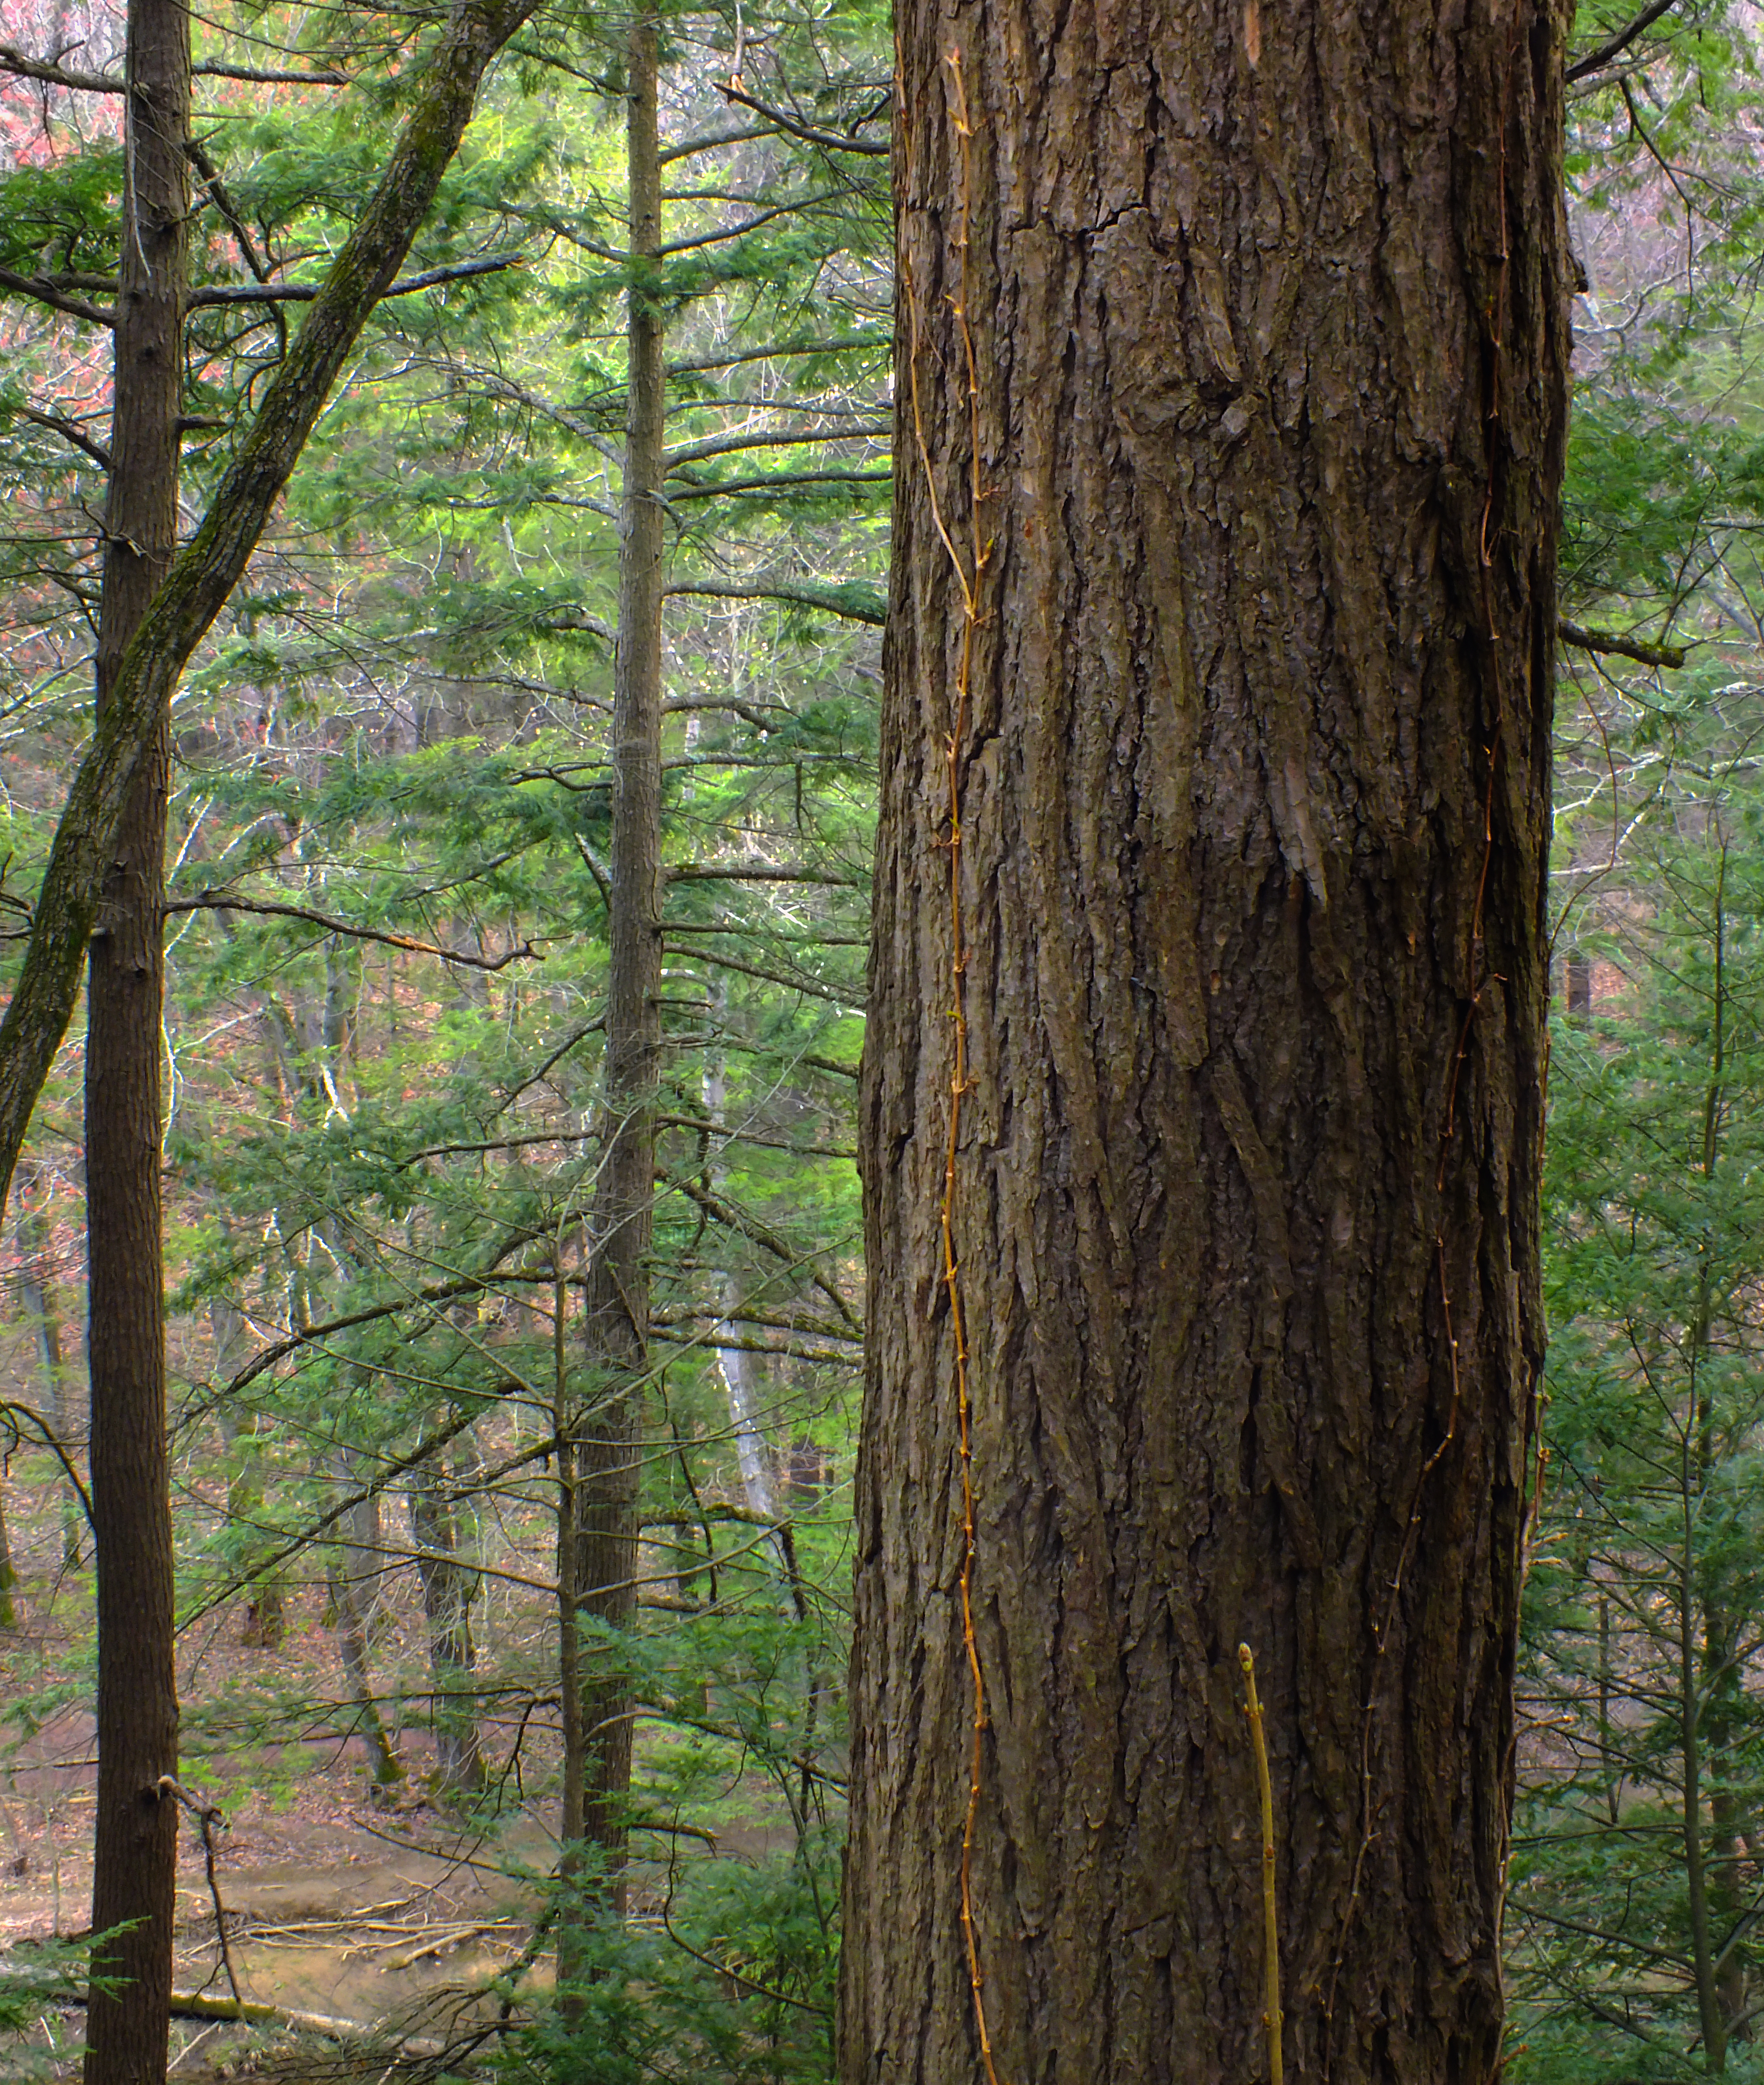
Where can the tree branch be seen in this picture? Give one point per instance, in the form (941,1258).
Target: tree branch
(218,901)
(1621,647)
(303,293)
(777,487)
(69,430)
(13,1412)
(856,602)
(1601,54)
(214,69)
(752,872)
(21,66)
(748,1226)
(43,291)
(831,141)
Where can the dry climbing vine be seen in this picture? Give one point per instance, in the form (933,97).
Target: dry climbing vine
(969,572)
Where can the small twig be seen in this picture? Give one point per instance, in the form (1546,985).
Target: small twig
(1271,2016)
(209,1815)
(11,1412)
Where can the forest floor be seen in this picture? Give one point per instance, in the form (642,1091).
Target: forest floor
(393,1921)
(342,1912)
(394,1917)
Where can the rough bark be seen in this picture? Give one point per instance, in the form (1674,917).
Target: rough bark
(616,1316)
(197,587)
(1270,349)
(135,1842)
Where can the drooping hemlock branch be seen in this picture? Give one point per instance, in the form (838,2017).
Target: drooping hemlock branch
(207,570)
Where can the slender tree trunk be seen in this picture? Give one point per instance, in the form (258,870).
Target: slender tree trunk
(735,1364)
(351,1576)
(449,1587)
(41,1298)
(9,1575)
(265,1622)
(1720,1900)
(572,1806)
(1230,408)
(1709,2015)
(135,1853)
(618,1306)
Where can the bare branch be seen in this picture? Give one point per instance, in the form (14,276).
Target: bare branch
(219,901)
(21,66)
(1621,647)
(43,291)
(303,293)
(746,1224)
(753,872)
(69,430)
(1601,54)
(857,603)
(214,69)
(831,141)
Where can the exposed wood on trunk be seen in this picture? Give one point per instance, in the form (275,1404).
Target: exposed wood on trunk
(1269,323)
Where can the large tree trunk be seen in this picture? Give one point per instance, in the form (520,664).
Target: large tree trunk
(1266,326)
(135,1854)
(617,1328)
